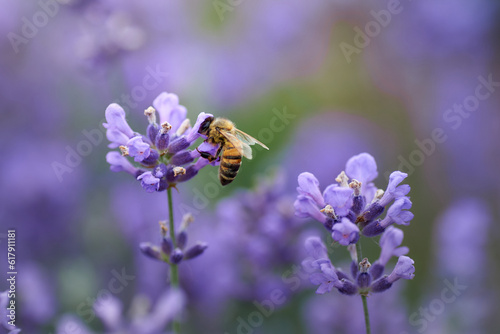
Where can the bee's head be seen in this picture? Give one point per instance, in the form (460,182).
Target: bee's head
(205,126)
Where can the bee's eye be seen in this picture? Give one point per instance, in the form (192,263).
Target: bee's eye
(205,125)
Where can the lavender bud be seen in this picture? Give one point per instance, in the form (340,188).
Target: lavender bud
(178,144)
(381,285)
(163,184)
(181,239)
(162,140)
(176,256)
(329,222)
(182,158)
(191,171)
(341,275)
(364,280)
(196,250)
(166,245)
(150,250)
(373,211)
(351,216)
(348,288)
(152,159)
(152,132)
(376,270)
(373,229)
(359,203)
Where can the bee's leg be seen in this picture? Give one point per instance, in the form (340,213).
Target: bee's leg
(207,155)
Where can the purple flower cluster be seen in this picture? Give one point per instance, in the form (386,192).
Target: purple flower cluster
(348,209)
(169,253)
(163,153)
(363,278)
(354,204)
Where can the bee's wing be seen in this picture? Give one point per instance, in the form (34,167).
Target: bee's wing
(247,139)
(242,147)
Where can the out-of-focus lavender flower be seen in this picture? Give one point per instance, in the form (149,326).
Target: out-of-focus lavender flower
(354,202)
(265,234)
(36,297)
(461,240)
(164,150)
(166,251)
(144,320)
(252,252)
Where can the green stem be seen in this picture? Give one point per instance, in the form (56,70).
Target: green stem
(367,317)
(363,297)
(174,271)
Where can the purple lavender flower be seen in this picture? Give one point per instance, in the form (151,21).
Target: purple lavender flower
(118,130)
(345,232)
(362,280)
(166,251)
(346,209)
(355,199)
(461,239)
(164,146)
(327,279)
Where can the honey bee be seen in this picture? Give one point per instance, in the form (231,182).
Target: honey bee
(233,142)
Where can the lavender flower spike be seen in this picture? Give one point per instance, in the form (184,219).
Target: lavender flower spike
(162,150)
(166,252)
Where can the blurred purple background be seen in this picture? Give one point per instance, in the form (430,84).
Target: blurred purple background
(414,83)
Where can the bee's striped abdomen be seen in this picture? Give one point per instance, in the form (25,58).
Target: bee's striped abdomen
(229,164)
